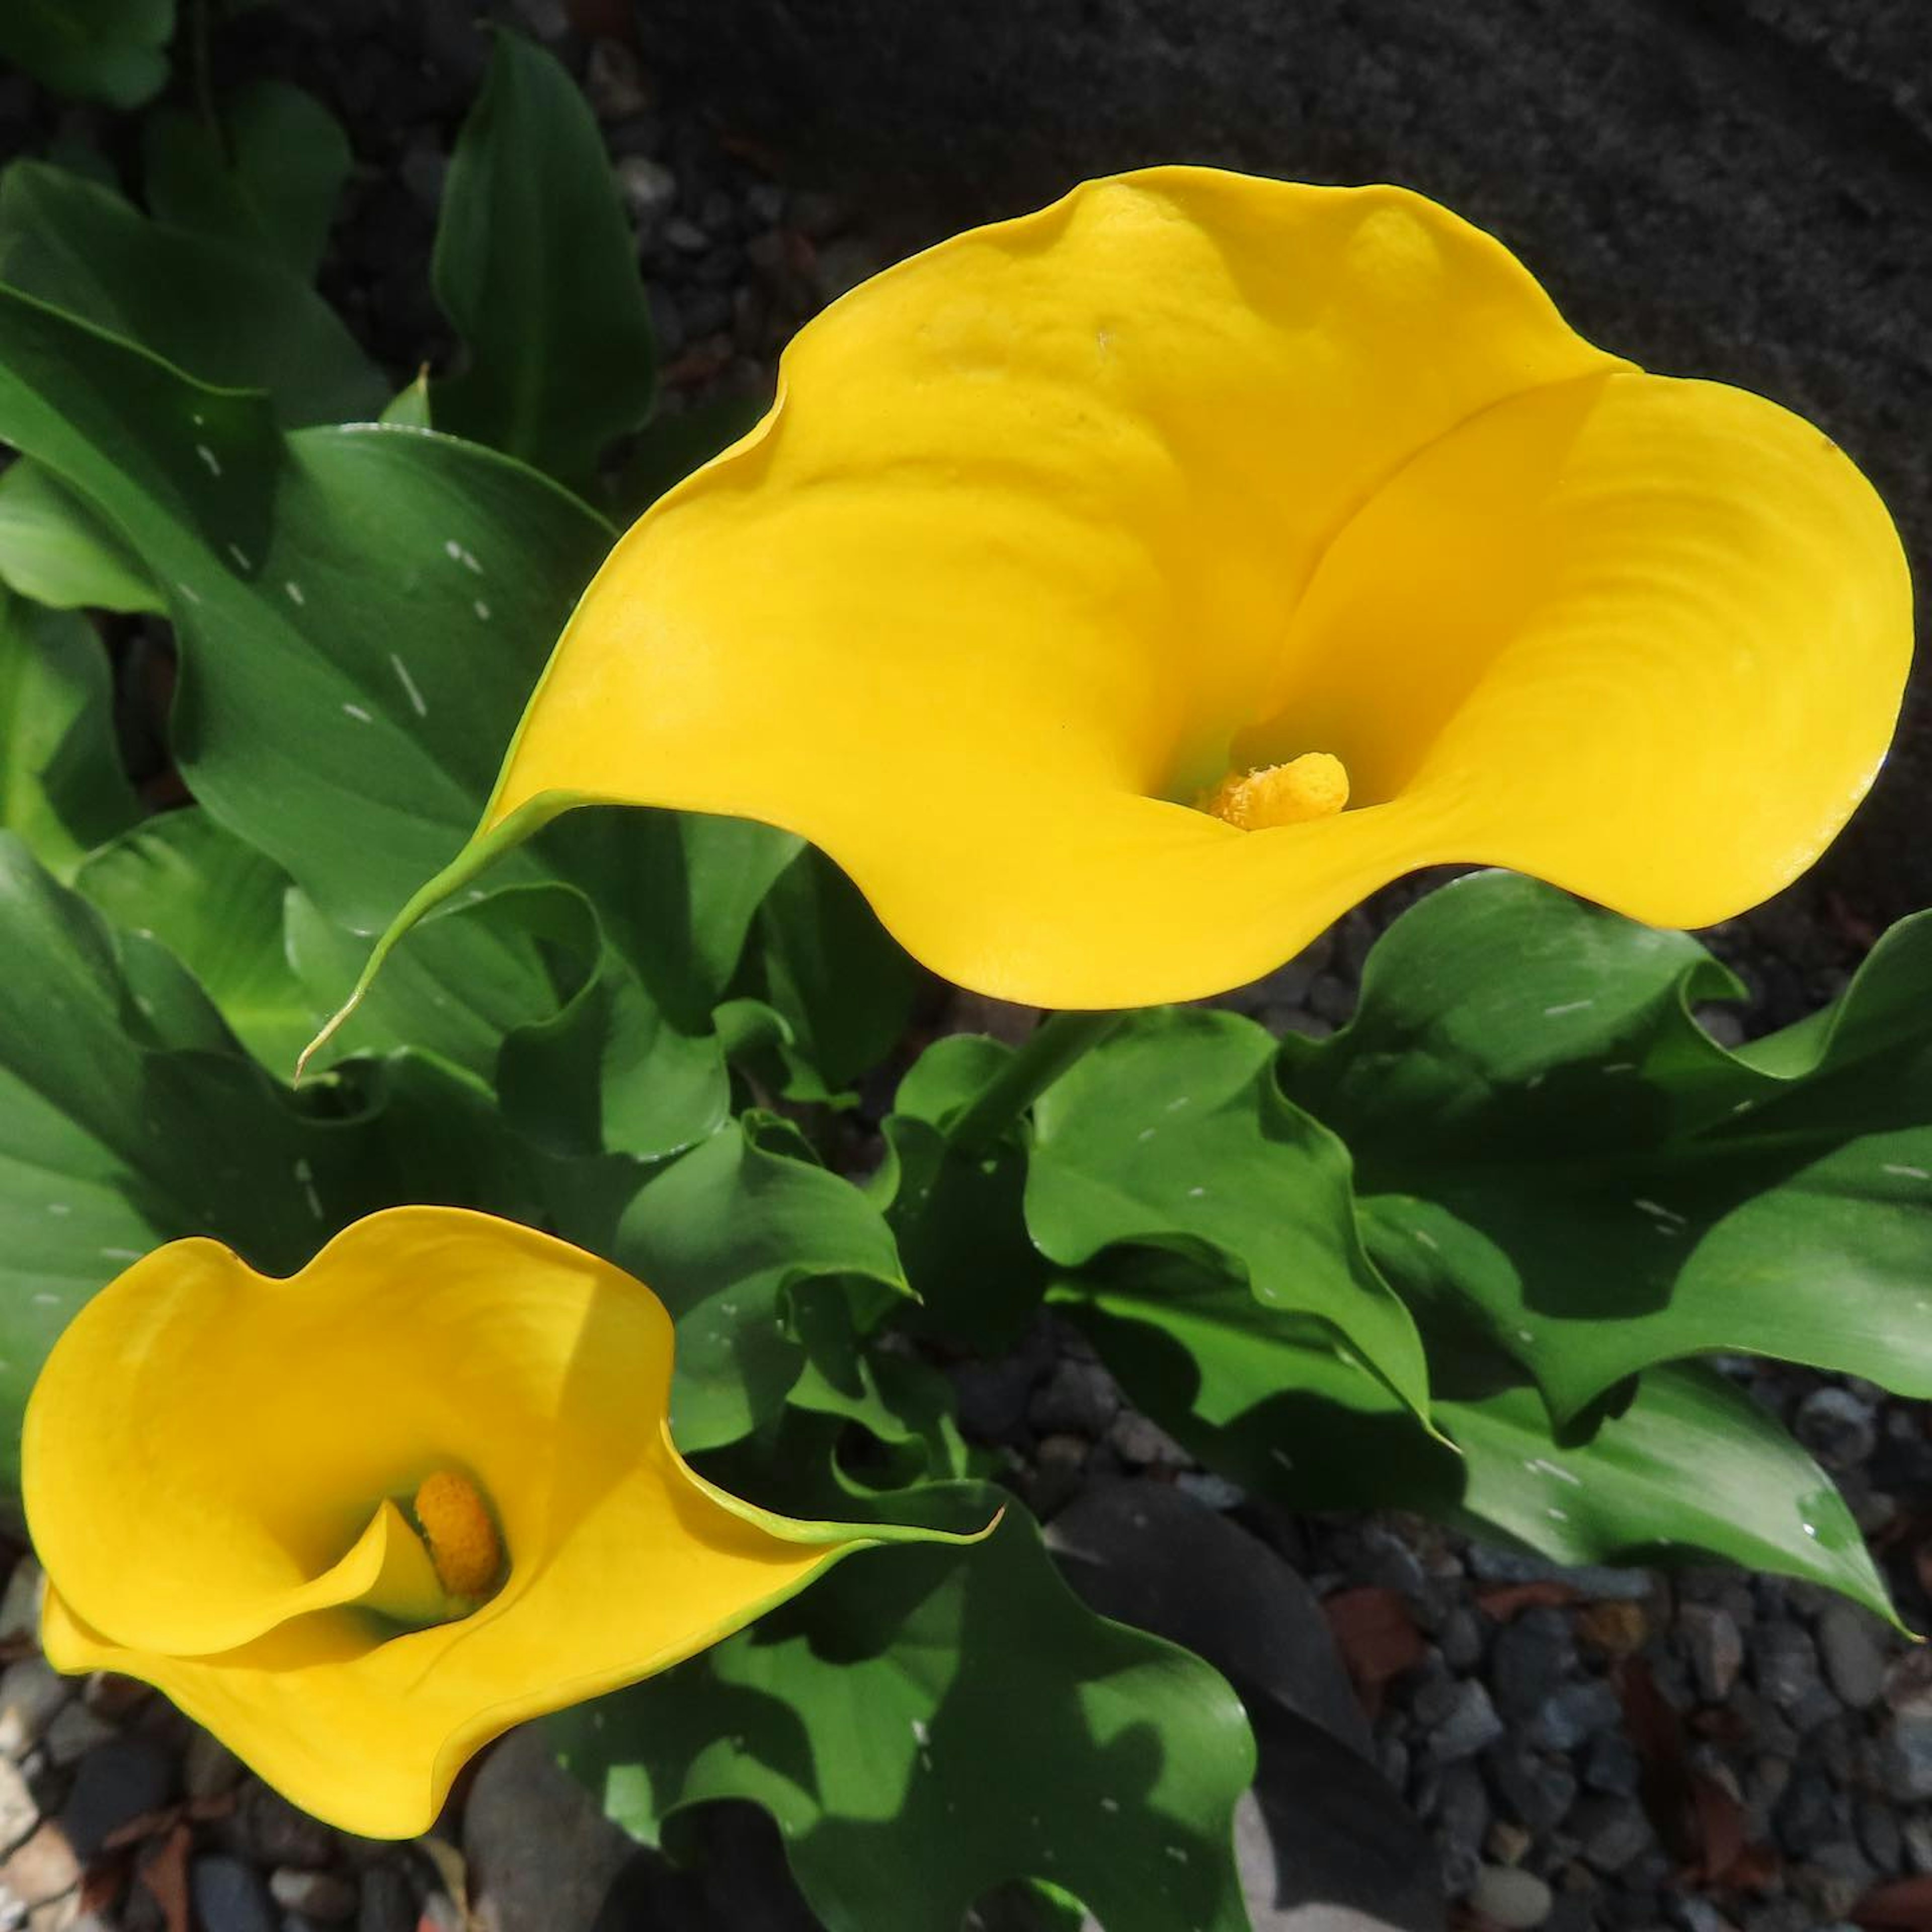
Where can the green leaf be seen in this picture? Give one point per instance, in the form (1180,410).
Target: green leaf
(107,50)
(382,598)
(1690,1467)
(536,267)
(1559,1153)
(220,315)
(217,905)
(724,1235)
(56,550)
(843,986)
(1173,1133)
(61,786)
(876,1717)
(265,177)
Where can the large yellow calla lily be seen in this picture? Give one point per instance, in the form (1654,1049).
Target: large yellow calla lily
(1058,532)
(359,1521)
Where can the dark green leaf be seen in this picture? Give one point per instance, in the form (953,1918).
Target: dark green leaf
(1172,1133)
(725,1236)
(223,315)
(56,550)
(536,266)
(1691,1467)
(265,177)
(61,786)
(877,1717)
(1559,1152)
(107,50)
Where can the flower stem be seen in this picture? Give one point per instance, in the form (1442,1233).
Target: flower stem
(1055,1045)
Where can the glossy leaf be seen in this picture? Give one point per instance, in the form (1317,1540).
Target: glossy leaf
(536,267)
(57,551)
(725,1236)
(265,177)
(876,1717)
(61,786)
(217,905)
(381,597)
(1172,1133)
(108,50)
(221,314)
(1562,1154)
(1691,1466)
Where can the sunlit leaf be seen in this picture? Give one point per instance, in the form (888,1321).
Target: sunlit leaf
(877,1719)
(56,550)
(61,786)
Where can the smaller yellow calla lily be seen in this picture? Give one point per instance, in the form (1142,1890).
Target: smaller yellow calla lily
(359,1521)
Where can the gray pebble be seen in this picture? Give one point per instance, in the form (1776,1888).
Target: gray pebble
(1611,1831)
(273,1832)
(1611,1764)
(115,1785)
(1461,1638)
(1204,1486)
(20,1607)
(1711,1638)
(31,1692)
(841,265)
(1784,1661)
(1916,1832)
(388,1902)
(1533,1656)
(1837,1427)
(1331,998)
(19,1813)
(650,189)
(75,1731)
(1536,1790)
(1470,1724)
(1079,1398)
(1575,1713)
(1515,1900)
(326,1896)
(1135,1439)
(1854,1663)
(229,1896)
(1879,1836)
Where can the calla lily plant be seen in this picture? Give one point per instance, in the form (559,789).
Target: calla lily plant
(360,1521)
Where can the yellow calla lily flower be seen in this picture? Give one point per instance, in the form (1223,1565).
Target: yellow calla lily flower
(1120,593)
(359,1521)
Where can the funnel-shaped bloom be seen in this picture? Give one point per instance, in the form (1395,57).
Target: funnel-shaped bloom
(1058,531)
(359,1521)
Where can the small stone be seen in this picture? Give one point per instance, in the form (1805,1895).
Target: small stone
(1916,1833)
(1537,1790)
(210,1768)
(1136,1440)
(1710,1637)
(1216,1492)
(612,82)
(1611,1831)
(992,1396)
(1834,1878)
(327,1896)
(1807,1817)
(1078,1398)
(1611,1764)
(1576,1713)
(1532,1658)
(1879,1836)
(75,1731)
(686,236)
(44,1867)
(122,1780)
(1614,1629)
(1507,1844)
(650,189)
(1592,1583)
(1854,1663)
(1330,998)
(20,1607)
(1471,1723)
(388,1902)
(229,1896)
(1514,1900)
(1461,1638)
(1462,1808)
(1784,1661)
(841,265)
(1691,1914)
(31,1693)
(1837,1427)
(19,1813)
(273,1832)
(424,169)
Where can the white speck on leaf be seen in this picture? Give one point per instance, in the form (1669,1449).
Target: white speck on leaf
(1567,1007)
(295,591)
(482,609)
(1427,1240)
(361,716)
(209,457)
(58,1208)
(1905,1173)
(240,555)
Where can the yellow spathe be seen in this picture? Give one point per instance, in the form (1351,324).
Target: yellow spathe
(212,1459)
(1057,526)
